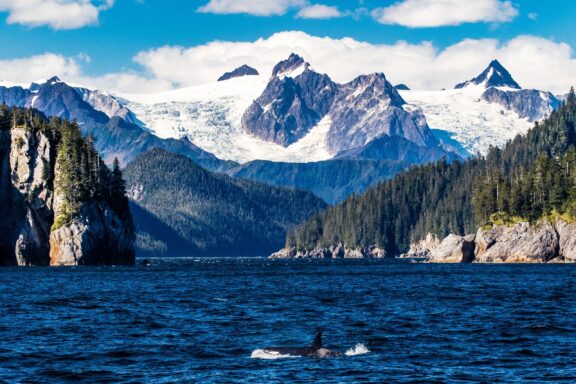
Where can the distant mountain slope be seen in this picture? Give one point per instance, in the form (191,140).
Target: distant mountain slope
(331,180)
(98,114)
(297,115)
(181,209)
(528,177)
(486,111)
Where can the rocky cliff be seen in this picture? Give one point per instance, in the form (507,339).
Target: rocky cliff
(519,243)
(92,231)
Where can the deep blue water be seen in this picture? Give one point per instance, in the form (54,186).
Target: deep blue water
(199,321)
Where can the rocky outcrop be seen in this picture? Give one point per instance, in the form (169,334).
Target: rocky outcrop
(28,157)
(567,239)
(520,243)
(454,249)
(333,252)
(96,236)
(422,249)
(25,176)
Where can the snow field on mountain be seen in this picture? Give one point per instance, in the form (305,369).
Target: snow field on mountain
(210,116)
(473,122)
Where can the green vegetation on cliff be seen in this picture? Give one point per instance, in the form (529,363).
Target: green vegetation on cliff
(531,176)
(77,173)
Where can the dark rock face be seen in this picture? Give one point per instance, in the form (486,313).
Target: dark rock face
(528,103)
(402,87)
(244,70)
(293,62)
(367,108)
(493,76)
(290,106)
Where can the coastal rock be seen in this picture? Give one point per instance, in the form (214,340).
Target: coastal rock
(286,253)
(423,249)
(28,158)
(454,249)
(95,236)
(333,252)
(567,238)
(521,243)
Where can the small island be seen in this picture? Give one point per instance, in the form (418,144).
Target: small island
(62,205)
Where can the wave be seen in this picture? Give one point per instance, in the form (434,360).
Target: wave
(359,349)
(269,355)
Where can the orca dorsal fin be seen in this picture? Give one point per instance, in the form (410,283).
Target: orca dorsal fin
(317,343)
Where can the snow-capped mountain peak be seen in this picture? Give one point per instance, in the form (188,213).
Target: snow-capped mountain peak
(244,70)
(495,75)
(294,66)
(53,80)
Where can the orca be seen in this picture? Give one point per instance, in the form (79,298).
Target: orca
(314,350)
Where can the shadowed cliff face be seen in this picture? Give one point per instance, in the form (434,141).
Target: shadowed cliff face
(26,187)
(93,235)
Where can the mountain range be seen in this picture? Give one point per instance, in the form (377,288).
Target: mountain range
(297,128)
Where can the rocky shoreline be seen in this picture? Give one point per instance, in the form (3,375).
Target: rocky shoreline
(333,252)
(544,242)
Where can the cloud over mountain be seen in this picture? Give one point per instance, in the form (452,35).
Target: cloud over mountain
(535,62)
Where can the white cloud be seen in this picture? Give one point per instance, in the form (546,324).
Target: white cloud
(57,14)
(534,62)
(319,11)
(436,13)
(40,67)
(533,16)
(252,7)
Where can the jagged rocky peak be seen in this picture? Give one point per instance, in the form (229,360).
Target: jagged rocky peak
(368,108)
(244,70)
(294,101)
(53,80)
(292,66)
(493,76)
(373,86)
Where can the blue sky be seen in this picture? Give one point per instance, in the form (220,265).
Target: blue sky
(117,31)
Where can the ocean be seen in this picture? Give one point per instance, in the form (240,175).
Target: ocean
(205,321)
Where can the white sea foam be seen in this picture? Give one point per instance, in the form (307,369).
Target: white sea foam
(359,349)
(269,355)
